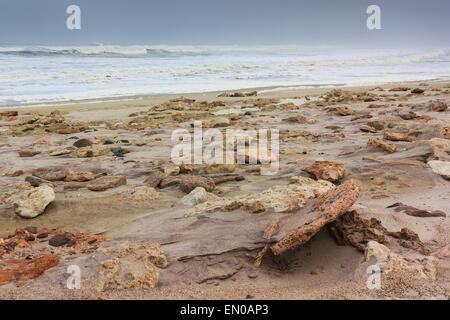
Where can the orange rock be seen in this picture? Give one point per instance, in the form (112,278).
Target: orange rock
(326,208)
(368,129)
(343,111)
(17,269)
(326,170)
(381,144)
(79,176)
(394,136)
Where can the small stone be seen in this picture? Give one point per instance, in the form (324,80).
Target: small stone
(154,179)
(326,170)
(317,271)
(28,153)
(31,229)
(82,143)
(172,170)
(60,240)
(196,196)
(368,129)
(377,124)
(108,141)
(220,168)
(396,136)
(374,142)
(417,91)
(35,181)
(79,176)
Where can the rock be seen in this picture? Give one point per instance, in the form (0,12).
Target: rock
(326,208)
(19,270)
(108,141)
(219,122)
(438,106)
(35,181)
(326,170)
(172,170)
(140,194)
(442,168)
(31,229)
(425,267)
(396,136)
(50,174)
(8,113)
(343,111)
(33,202)
(81,143)
(280,198)
(368,129)
(374,142)
(442,253)
(377,124)
(189,183)
(220,168)
(298,118)
(27,153)
(196,196)
(417,91)
(61,151)
(154,179)
(399,89)
(60,240)
(131,266)
(107,182)
(91,151)
(186,169)
(411,211)
(79,176)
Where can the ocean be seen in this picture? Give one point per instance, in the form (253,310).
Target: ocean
(40,74)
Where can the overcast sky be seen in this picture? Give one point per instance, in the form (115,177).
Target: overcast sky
(243,22)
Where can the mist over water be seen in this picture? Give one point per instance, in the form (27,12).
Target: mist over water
(30,74)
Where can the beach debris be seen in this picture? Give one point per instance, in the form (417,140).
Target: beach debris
(442,168)
(326,170)
(107,182)
(425,267)
(31,203)
(374,142)
(411,211)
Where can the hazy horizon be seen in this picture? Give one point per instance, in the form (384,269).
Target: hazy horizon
(232,22)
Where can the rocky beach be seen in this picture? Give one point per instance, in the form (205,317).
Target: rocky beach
(363,181)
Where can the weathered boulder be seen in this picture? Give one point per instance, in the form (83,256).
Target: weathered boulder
(33,202)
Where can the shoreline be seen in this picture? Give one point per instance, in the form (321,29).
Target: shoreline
(144,100)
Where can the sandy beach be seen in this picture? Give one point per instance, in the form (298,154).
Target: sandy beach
(363,180)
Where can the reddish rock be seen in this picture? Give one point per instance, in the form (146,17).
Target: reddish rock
(108,182)
(8,113)
(18,269)
(396,136)
(326,170)
(399,89)
(411,211)
(417,91)
(325,209)
(374,142)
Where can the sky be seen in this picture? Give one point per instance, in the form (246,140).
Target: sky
(226,22)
